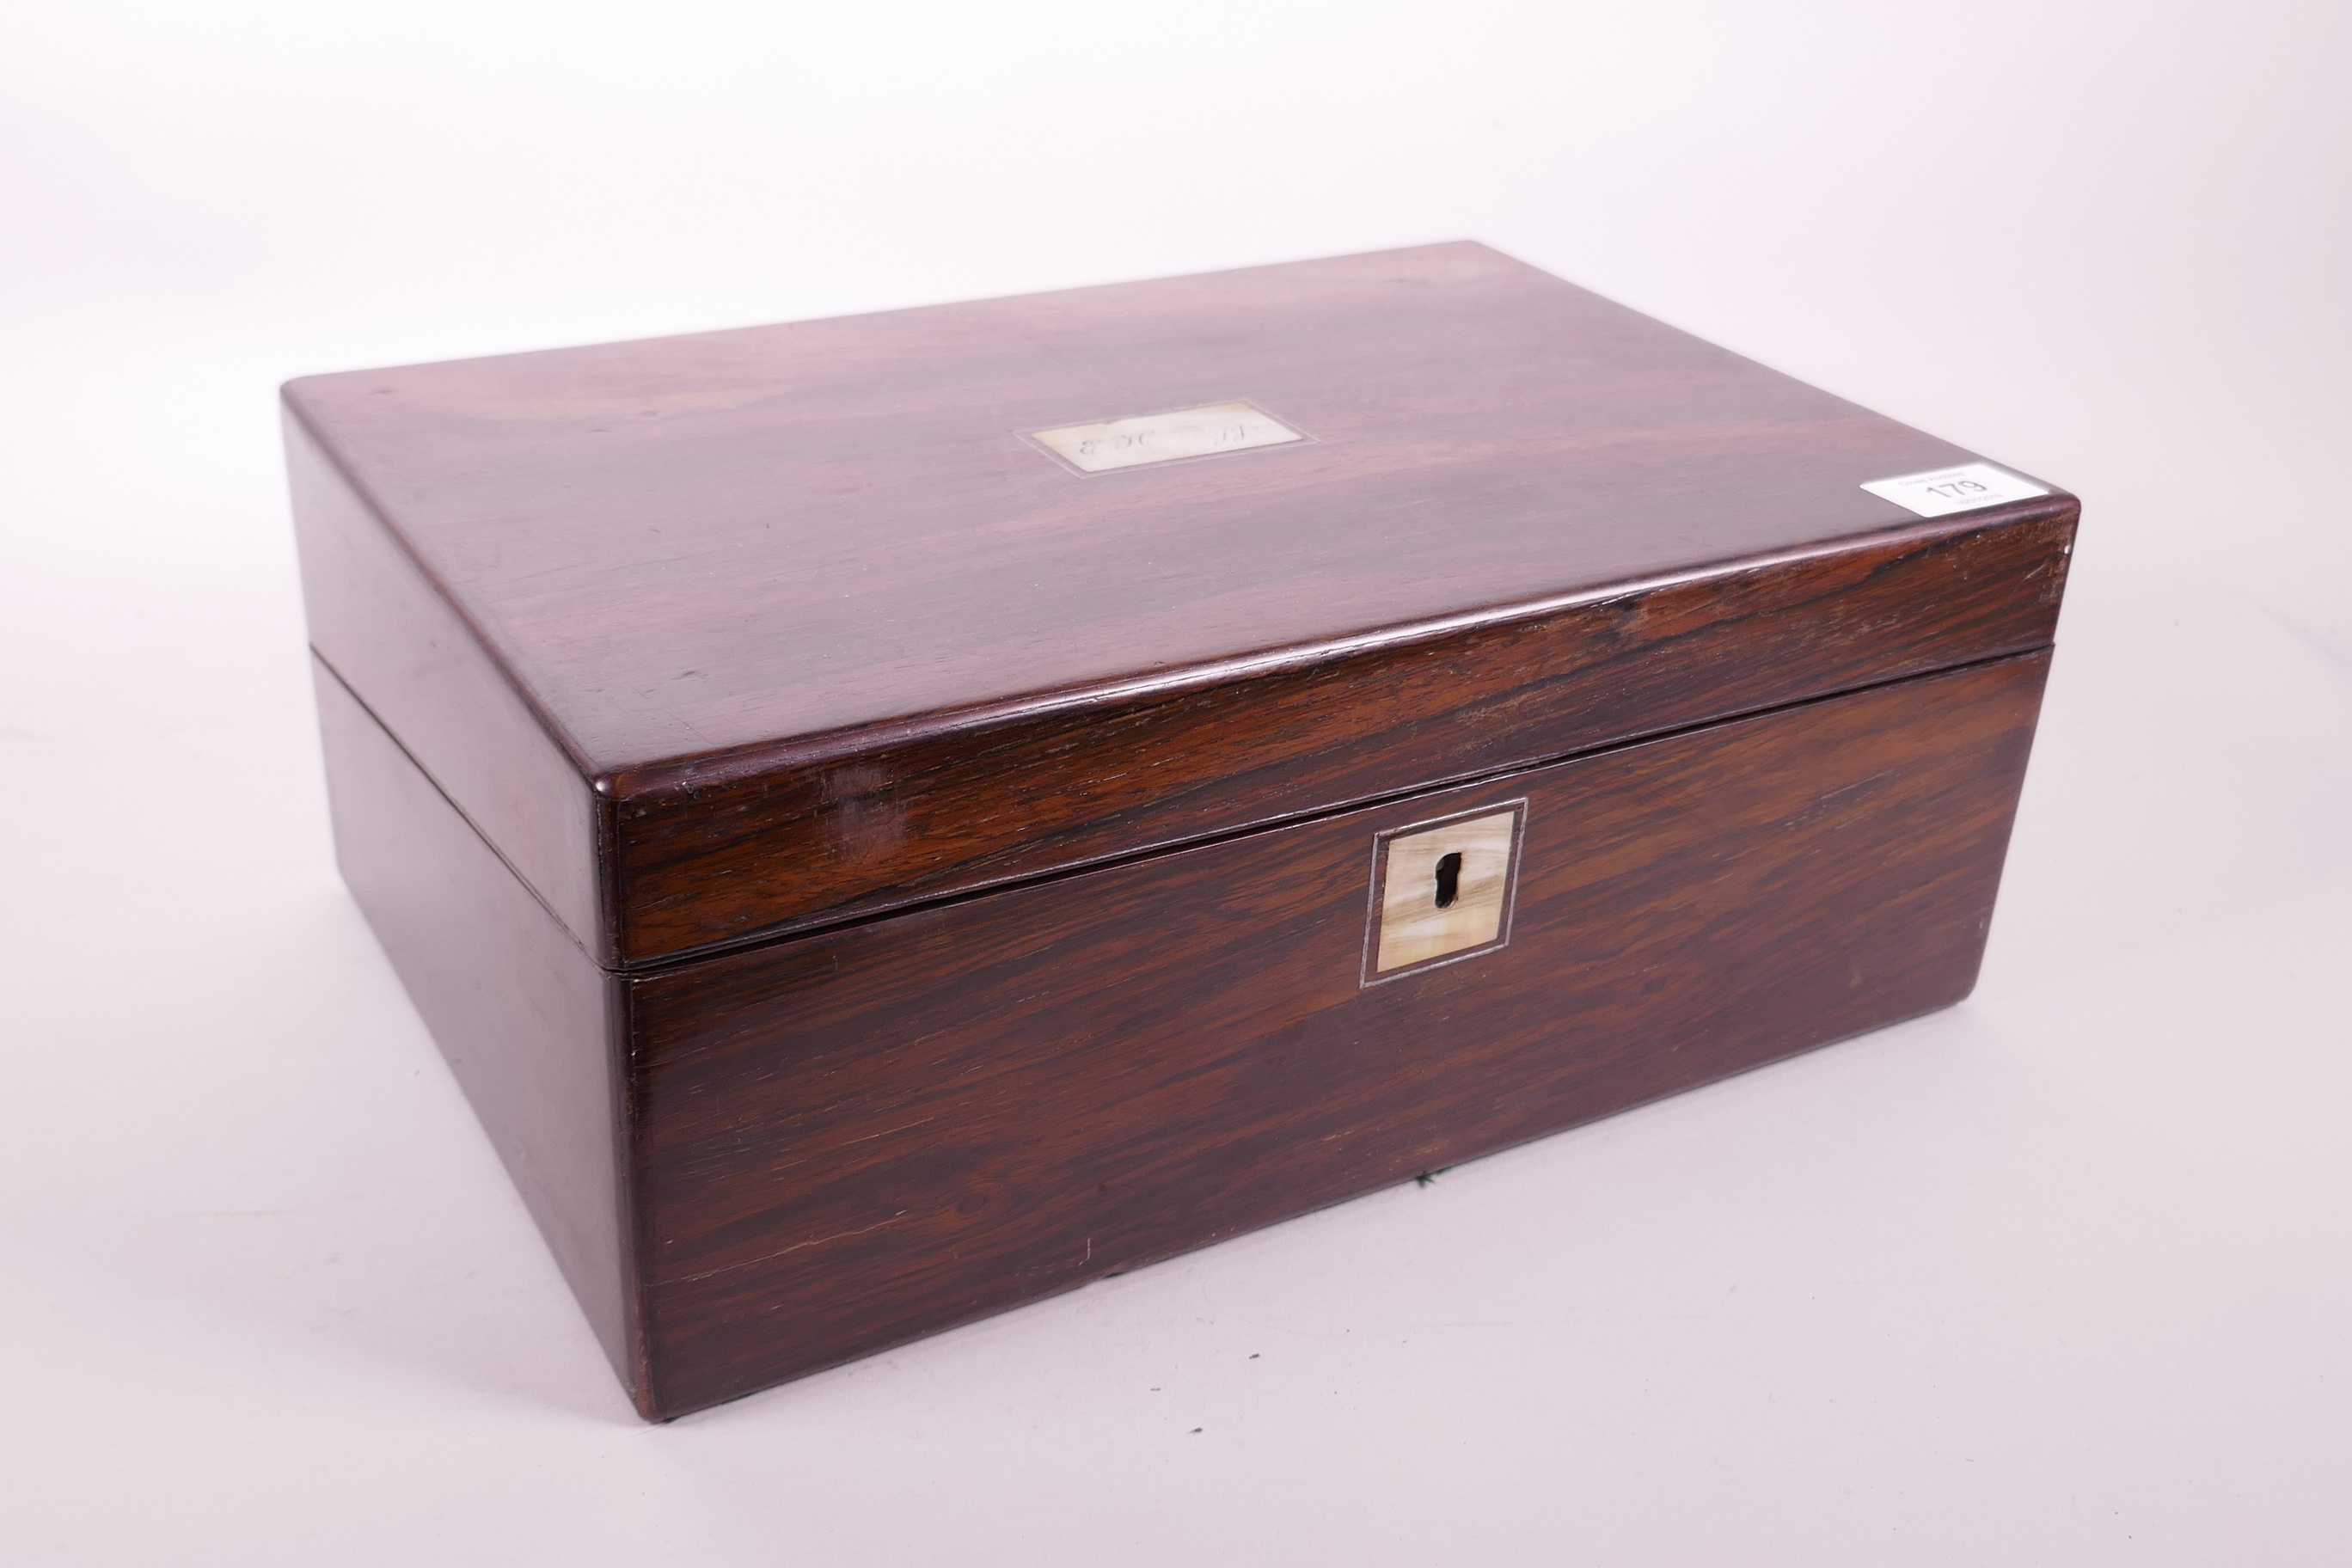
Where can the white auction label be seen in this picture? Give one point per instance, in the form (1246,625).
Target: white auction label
(1941,491)
(1161,438)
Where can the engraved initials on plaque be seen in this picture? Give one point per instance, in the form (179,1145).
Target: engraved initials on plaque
(1164,437)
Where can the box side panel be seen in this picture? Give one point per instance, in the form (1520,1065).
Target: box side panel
(866,1134)
(392,634)
(528,1023)
(888,822)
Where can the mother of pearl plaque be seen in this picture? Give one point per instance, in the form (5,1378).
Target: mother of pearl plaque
(1162,438)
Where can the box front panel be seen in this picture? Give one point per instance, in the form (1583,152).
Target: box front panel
(851,1139)
(733,848)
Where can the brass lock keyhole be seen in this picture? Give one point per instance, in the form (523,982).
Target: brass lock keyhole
(1449,879)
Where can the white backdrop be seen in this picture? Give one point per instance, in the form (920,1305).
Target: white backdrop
(2062,1275)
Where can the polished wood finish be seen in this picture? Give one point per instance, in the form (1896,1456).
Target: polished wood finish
(850,1138)
(397,635)
(530,1024)
(726,635)
(871,860)
(945,810)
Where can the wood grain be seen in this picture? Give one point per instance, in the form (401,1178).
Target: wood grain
(726,635)
(382,623)
(530,1026)
(852,1138)
(675,667)
(940,809)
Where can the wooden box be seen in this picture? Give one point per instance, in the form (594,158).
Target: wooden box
(893,818)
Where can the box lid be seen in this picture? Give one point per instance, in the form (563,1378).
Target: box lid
(727,635)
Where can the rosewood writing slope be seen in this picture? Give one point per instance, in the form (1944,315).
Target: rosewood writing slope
(895,816)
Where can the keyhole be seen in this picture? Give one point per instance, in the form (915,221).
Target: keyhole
(1449,879)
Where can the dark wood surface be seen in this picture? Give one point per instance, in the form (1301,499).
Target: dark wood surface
(853,1137)
(387,629)
(800,627)
(932,811)
(528,1024)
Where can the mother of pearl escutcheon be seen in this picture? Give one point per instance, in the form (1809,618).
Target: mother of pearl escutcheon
(1164,437)
(1442,890)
